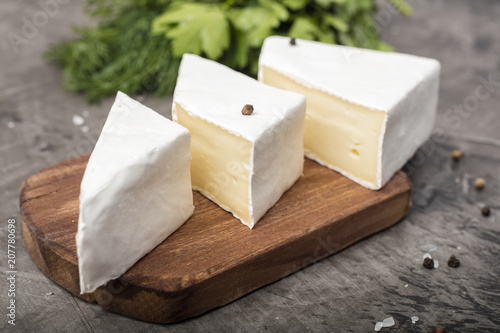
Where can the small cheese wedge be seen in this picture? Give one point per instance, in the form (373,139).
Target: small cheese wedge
(367,111)
(244,163)
(135,192)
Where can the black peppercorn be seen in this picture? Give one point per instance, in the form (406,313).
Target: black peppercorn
(438,329)
(453,261)
(485,211)
(457,155)
(428,263)
(247,110)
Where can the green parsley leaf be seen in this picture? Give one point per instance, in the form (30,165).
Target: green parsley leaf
(257,22)
(402,6)
(328,3)
(306,28)
(195,28)
(335,22)
(295,4)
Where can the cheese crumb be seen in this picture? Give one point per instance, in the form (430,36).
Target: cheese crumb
(388,322)
(77,120)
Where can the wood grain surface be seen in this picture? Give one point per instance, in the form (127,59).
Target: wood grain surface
(212,259)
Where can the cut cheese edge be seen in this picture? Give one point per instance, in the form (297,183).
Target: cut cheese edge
(221,164)
(243,163)
(367,111)
(332,126)
(135,192)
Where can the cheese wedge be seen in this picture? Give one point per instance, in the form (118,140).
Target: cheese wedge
(244,163)
(135,192)
(367,111)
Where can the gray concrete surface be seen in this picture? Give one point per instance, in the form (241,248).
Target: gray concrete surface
(377,278)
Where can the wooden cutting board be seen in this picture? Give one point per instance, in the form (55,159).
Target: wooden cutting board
(212,259)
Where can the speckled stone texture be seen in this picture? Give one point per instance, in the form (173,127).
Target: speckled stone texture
(377,278)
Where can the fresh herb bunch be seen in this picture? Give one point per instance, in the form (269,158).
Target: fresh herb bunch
(137,44)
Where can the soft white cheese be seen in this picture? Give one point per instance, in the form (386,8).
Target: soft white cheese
(367,111)
(244,163)
(135,192)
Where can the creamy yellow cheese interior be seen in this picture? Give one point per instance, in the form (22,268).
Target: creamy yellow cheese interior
(342,135)
(220,164)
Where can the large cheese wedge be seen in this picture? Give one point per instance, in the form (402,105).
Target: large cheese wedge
(367,111)
(244,163)
(135,192)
